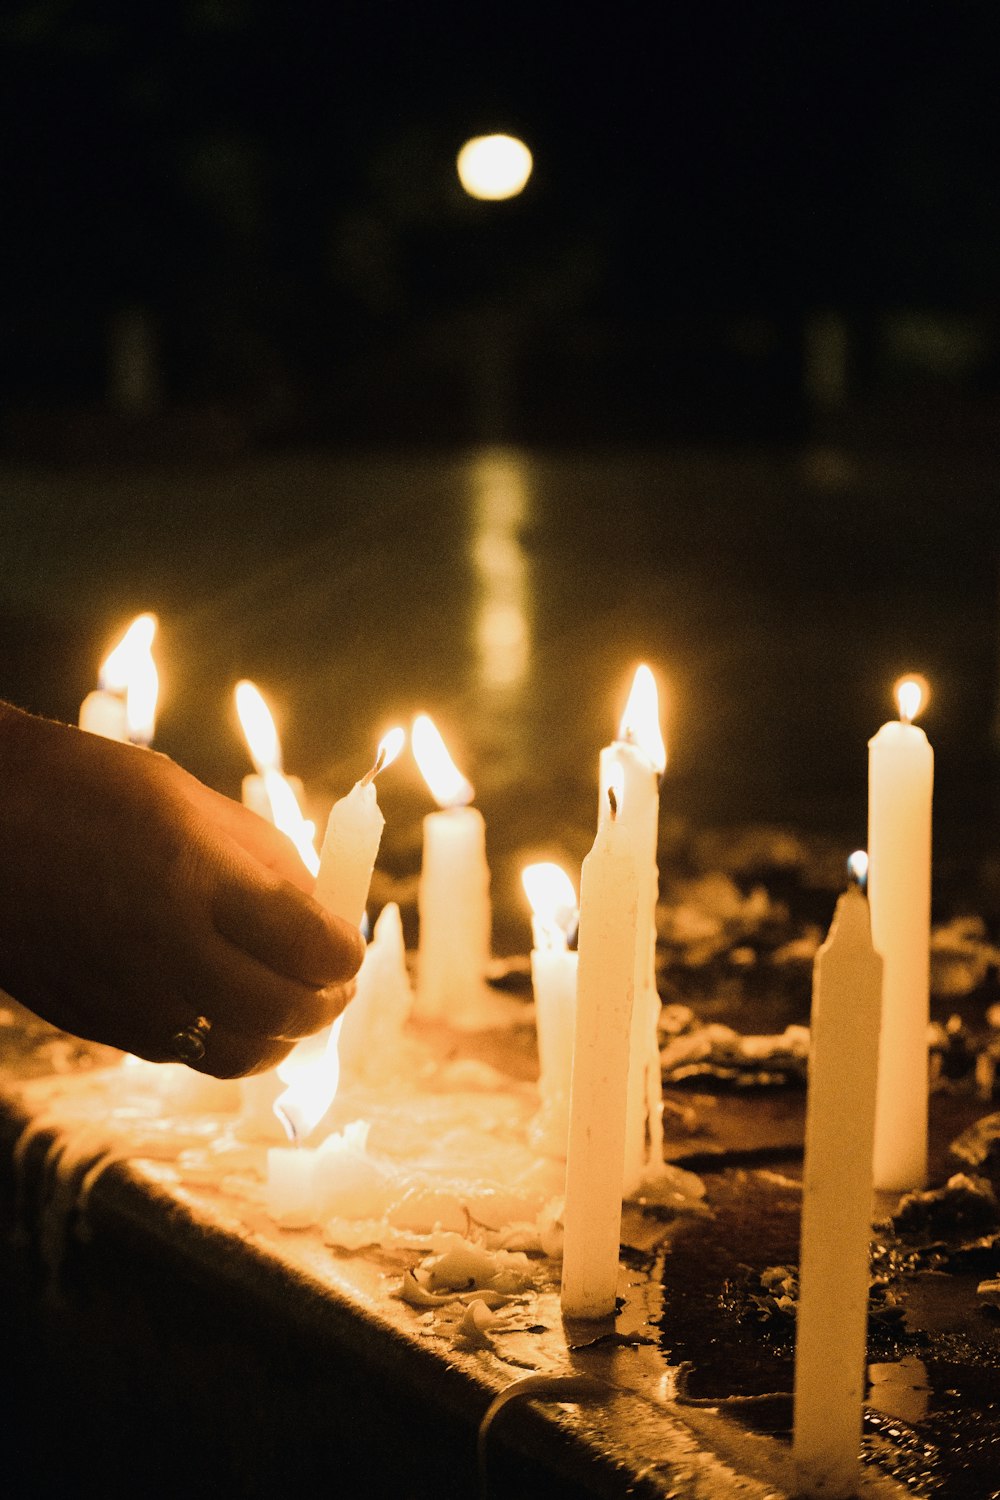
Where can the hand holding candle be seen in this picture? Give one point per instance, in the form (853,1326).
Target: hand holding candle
(350,848)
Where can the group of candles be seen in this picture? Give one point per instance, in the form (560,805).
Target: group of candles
(597,1008)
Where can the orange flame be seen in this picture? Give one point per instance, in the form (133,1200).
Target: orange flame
(640,723)
(553,903)
(911,694)
(130,669)
(259,729)
(448,786)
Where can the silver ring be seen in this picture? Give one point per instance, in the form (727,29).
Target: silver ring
(188,1044)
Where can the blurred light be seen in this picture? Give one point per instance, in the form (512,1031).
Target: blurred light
(257,723)
(911,694)
(492,167)
(640,723)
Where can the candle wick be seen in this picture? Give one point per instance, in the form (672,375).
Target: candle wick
(613,799)
(288,1124)
(369,776)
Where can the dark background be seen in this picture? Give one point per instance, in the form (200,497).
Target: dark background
(270,192)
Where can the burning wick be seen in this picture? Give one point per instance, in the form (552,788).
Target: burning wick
(388,749)
(857,870)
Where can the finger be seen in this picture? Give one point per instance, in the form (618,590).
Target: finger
(254,834)
(246,996)
(284,929)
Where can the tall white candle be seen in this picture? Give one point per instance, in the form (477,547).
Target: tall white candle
(834,1270)
(553,978)
(900,788)
(609,904)
(454,893)
(640,757)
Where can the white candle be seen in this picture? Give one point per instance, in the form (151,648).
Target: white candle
(900,787)
(609,904)
(834,1270)
(553,978)
(454,893)
(351,844)
(372,1032)
(124,705)
(640,757)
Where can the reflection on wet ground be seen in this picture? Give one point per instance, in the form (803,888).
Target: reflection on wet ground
(511,594)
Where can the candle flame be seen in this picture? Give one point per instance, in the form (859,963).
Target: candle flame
(857,868)
(553,903)
(640,723)
(911,696)
(130,669)
(448,786)
(389,747)
(287,815)
(259,729)
(312,1072)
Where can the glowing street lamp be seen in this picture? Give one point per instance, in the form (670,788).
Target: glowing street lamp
(493,167)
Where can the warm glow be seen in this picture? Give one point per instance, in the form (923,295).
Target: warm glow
(286,814)
(857,867)
(312,1072)
(553,903)
(911,695)
(130,669)
(389,747)
(449,787)
(257,723)
(492,167)
(640,724)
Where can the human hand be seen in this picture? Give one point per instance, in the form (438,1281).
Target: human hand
(134,900)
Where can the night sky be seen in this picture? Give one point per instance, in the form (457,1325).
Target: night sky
(274,187)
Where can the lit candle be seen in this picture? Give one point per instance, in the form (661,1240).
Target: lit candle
(264,744)
(834,1261)
(640,757)
(553,977)
(900,786)
(454,892)
(353,835)
(124,705)
(609,904)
